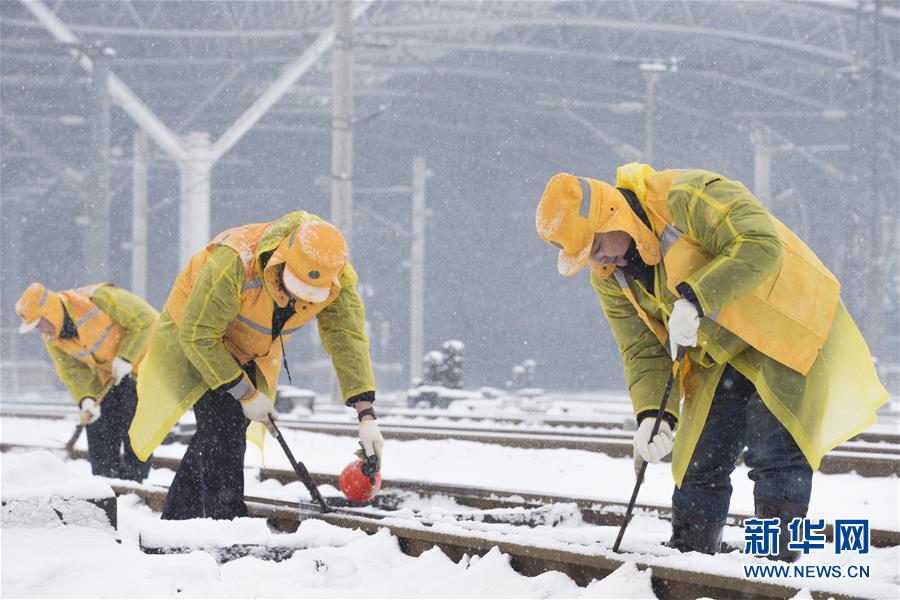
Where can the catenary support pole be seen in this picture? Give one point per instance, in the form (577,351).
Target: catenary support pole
(342,132)
(652,78)
(96,230)
(14,213)
(342,119)
(417,272)
(139,214)
(194,210)
(762,164)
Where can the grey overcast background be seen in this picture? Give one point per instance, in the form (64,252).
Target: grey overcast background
(496,97)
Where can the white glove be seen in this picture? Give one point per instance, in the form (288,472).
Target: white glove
(120,368)
(90,411)
(257,407)
(651,451)
(683,326)
(370,438)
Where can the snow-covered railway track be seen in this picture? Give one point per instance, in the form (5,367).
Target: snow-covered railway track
(537,532)
(868,459)
(525,507)
(609,427)
(865,460)
(886,431)
(614,442)
(582,562)
(491,505)
(546,436)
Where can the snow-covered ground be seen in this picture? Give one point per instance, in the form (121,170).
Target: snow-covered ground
(94,561)
(551,471)
(41,557)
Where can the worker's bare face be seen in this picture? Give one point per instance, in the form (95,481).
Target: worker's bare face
(609,248)
(46,327)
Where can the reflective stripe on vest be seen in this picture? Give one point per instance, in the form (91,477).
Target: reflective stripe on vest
(670,235)
(263,329)
(252,285)
(255,326)
(87,317)
(97,344)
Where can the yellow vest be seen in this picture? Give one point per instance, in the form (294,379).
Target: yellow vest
(787,317)
(98,337)
(249,336)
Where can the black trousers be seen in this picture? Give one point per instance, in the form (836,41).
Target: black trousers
(738,418)
(109,448)
(210,479)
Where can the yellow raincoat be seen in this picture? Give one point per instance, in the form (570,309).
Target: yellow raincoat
(219,316)
(111,322)
(822,401)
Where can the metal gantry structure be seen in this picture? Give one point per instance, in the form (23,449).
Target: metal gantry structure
(798,99)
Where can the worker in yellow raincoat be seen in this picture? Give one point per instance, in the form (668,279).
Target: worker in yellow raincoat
(219,348)
(690,259)
(96,336)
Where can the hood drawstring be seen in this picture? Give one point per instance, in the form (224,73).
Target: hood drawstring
(284,359)
(280,316)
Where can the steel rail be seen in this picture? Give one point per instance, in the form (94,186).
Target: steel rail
(618,427)
(873,436)
(865,460)
(866,463)
(490,501)
(593,511)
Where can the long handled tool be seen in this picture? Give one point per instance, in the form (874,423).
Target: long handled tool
(299,468)
(653,432)
(70,445)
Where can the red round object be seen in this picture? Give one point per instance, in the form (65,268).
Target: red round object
(356,485)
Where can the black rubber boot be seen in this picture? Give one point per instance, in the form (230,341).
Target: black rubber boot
(787,511)
(691,534)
